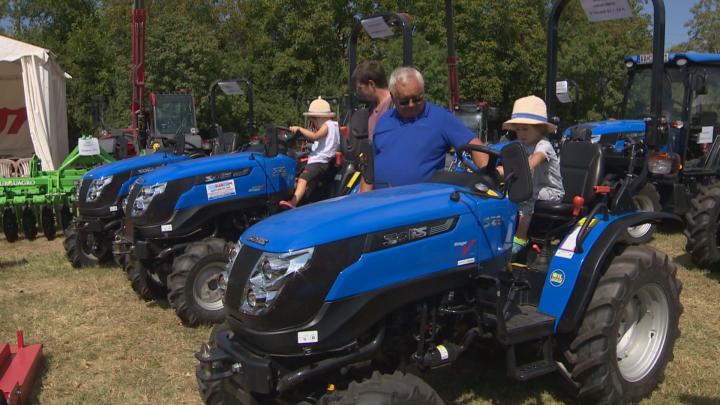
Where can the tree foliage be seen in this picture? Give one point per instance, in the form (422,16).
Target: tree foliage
(296,49)
(703,28)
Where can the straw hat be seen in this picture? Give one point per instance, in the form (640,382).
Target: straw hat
(319,108)
(530,110)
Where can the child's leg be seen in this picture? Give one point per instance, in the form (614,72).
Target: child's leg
(523,226)
(299,191)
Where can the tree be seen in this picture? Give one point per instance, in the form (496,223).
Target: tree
(703,28)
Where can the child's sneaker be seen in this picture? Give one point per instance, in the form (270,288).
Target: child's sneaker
(518,245)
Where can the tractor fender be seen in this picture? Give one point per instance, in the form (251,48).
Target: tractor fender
(573,276)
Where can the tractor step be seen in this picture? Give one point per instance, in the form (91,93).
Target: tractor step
(526,371)
(526,324)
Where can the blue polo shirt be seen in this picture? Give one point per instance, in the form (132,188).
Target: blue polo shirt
(408,152)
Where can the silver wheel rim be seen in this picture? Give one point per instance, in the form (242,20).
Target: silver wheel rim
(209,287)
(642,332)
(642,203)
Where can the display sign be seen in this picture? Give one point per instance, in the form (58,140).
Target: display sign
(562,92)
(605,10)
(377,27)
(88,147)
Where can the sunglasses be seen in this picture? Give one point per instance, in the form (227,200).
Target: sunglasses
(406,100)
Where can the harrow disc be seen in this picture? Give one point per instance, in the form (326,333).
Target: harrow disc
(10,225)
(47,221)
(29,223)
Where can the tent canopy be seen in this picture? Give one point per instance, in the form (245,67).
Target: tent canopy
(33,109)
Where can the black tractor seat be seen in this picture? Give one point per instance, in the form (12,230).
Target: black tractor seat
(581,168)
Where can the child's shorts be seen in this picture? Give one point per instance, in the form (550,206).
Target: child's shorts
(314,170)
(527,208)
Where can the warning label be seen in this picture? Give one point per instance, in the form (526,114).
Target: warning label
(220,189)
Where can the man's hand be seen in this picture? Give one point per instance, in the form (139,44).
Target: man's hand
(480,159)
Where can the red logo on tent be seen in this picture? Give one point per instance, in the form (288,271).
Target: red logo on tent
(20,116)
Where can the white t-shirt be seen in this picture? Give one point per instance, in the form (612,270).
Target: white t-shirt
(547,182)
(323,150)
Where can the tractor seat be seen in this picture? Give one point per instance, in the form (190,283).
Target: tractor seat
(581,168)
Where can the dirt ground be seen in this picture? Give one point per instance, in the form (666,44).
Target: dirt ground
(103,345)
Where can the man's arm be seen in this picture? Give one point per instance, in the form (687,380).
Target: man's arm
(480,159)
(364,187)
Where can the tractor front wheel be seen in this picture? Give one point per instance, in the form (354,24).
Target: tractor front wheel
(84,248)
(142,282)
(701,226)
(197,282)
(396,388)
(629,329)
(647,199)
(10,225)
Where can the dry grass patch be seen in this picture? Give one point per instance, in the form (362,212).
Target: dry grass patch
(105,346)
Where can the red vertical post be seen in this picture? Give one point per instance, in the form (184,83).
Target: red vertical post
(138,62)
(20,340)
(452,57)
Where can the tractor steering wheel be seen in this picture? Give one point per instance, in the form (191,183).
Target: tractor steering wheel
(492,158)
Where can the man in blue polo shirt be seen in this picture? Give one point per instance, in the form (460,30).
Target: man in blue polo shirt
(411,140)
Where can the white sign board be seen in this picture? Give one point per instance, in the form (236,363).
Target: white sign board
(604,10)
(706,135)
(220,189)
(88,147)
(561,90)
(376,27)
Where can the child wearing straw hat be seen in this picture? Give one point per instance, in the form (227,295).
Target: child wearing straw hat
(529,121)
(325,134)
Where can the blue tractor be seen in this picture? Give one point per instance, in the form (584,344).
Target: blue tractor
(89,237)
(336,301)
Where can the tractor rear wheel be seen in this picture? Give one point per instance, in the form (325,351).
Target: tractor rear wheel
(701,226)
(142,282)
(29,223)
(47,220)
(66,217)
(10,225)
(629,329)
(647,199)
(396,388)
(85,248)
(197,282)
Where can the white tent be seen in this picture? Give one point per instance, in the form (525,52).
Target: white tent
(33,110)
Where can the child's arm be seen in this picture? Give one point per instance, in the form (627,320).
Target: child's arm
(536,158)
(313,136)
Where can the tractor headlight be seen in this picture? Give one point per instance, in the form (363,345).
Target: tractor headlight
(663,163)
(96,188)
(269,276)
(145,197)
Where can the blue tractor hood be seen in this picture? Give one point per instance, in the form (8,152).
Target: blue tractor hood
(611,127)
(353,215)
(202,166)
(136,163)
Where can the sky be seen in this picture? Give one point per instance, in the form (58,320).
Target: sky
(677,13)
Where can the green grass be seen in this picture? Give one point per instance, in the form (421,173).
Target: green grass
(105,346)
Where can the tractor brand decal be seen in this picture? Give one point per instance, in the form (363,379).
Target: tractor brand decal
(9,183)
(258,240)
(466,246)
(496,220)
(166,228)
(557,278)
(396,238)
(417,233)
(220,189)
(466,261)
(307,336)
(145,170)
(256,188)
(279,171)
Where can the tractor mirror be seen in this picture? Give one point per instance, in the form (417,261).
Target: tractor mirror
(271,147)
(179,142)
(518,180)
(231,87)
(699,83)
(493,114)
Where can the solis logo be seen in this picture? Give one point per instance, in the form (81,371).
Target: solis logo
(557,278)
(19,116)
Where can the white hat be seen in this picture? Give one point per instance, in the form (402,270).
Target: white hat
(530,110)
(319,108)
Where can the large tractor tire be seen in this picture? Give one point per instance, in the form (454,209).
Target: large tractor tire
(66,217)
(84,248)
(142,282)
(629,329)
(216,392)
(701,226)
(29,223)
(47,220)
(10,225)
(647,199)
(196,282)
(385,389)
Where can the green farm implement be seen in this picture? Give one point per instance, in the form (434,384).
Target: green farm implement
(30,197)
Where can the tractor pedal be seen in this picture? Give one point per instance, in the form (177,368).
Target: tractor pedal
(535,369)
(526,324)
